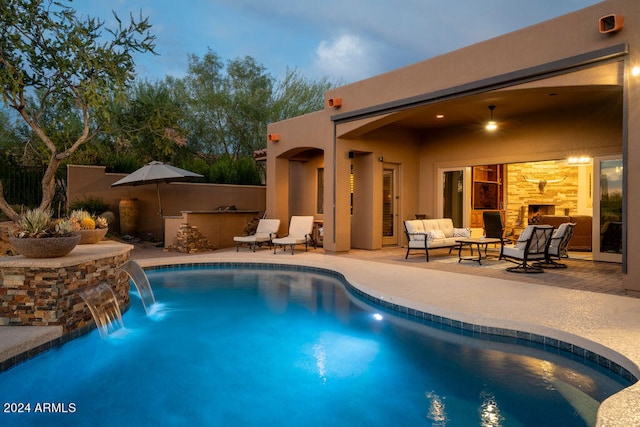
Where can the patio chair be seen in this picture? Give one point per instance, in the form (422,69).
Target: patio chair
(300,229)
(558,246)
(532,245)
(265,232)
(493,227)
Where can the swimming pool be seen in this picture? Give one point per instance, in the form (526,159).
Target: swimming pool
(246,347)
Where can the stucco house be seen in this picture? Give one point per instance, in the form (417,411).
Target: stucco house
(565,98)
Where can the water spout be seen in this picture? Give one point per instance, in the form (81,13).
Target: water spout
(104,308)
(141,282)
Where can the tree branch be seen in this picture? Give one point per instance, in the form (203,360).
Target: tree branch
(6,208)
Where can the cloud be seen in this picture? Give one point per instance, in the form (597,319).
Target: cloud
(345,56)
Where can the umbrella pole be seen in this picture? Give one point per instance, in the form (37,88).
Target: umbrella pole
(159,202)
(160,211)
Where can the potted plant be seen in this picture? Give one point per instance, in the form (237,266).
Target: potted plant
(37,235)
(91,229)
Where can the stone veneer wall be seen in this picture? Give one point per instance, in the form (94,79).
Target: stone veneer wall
(40,293)
(521,194)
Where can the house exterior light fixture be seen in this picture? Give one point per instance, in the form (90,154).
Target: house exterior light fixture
(275,137)
(491,124)
(334,102)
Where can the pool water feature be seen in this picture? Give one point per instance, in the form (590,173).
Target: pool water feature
(260,347)
(141,283)
(104,307)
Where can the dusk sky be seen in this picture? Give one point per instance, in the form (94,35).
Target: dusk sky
(342,39)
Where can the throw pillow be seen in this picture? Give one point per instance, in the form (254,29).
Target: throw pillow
(461,232)
(435,234)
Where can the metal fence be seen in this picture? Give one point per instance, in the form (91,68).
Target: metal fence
(22,185)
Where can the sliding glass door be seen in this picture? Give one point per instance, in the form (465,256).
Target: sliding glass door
(607,210)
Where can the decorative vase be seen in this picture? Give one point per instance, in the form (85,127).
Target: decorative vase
(89,237)
(44,247)
(128,209)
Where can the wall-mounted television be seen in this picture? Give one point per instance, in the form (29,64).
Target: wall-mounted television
(485,195)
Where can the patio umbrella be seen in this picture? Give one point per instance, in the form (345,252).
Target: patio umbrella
(156,173)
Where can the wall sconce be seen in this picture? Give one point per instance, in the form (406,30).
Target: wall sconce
(491,125)
(381,159)
(334,102)
(275,137)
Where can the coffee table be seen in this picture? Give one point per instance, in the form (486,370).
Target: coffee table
(479,242)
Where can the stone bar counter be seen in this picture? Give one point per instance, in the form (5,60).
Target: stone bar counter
(45,291)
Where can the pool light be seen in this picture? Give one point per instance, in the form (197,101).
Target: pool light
(378,316)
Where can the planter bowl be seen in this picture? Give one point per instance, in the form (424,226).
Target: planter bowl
(88,237)
(45,247)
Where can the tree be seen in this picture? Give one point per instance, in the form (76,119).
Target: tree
(150,123)
(296,95)
(228,108)
(64,62)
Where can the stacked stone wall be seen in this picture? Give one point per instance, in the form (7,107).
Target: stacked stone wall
(49,295)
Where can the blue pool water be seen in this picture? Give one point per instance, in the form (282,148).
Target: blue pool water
(233,347)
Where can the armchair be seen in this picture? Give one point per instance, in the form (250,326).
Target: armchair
(558,246)
(532,245)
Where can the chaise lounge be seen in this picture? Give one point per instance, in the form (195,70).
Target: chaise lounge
(265,232)
(300,229)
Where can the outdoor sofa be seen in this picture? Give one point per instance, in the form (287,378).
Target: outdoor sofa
(425,234)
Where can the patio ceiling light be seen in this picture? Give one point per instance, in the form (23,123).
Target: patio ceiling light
(491,125)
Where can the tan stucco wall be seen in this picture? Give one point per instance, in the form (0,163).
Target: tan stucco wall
(93,181)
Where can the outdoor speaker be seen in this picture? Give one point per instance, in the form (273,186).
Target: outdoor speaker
(611,24)
(352,155)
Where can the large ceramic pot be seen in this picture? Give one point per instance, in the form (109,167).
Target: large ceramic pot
(45,247)
(88,237)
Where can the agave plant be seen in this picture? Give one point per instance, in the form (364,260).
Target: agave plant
(34,223)
(39,223)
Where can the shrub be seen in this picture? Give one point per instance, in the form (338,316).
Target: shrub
(93,205)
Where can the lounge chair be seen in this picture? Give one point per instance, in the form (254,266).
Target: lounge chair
(558,246)
(300,229)
(265,232)
(532,245)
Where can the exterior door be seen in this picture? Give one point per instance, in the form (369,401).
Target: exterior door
(390,204)
(607,209)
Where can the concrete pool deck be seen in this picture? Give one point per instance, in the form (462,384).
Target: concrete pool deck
(590,312)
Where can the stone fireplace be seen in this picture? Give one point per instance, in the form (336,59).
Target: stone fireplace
(536,212)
